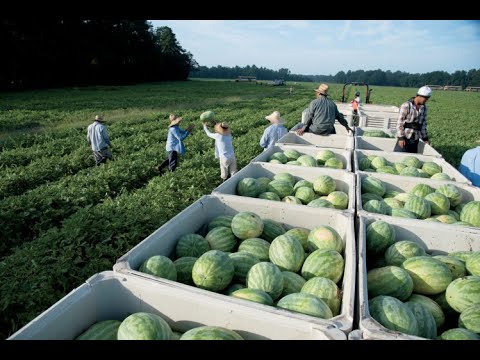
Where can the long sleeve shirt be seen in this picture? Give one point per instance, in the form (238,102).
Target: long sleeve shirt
(321,116)
(223,144)
(175,139)
(470,165)
(97,136)
(410,116)
(271,135)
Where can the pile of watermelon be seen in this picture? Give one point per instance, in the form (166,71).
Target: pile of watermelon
(413,292)
(259,260)
(149,326)
(409,166)
(444,204)
(376,133)
(290,189)
(324,158)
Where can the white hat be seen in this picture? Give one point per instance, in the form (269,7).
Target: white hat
(424,91)
(275,118)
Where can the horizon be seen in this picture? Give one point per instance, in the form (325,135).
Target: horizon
(448,45)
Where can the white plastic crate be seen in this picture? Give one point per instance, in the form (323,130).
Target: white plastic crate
(379,120)
(398,157)
(388,145)
(405,184)
(359,131)
(114,296)
(326,141)
(345,181)
(438,241)
(375,107)
(344,155)
(195,218)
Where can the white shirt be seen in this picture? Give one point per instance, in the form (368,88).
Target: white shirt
(223,144)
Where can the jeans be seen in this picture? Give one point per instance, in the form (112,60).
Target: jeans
(171,161)
(411,146)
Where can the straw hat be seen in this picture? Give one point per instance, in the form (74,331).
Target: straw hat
(222,128)
(174,120)
(99,118)
(322,89)
(275,118)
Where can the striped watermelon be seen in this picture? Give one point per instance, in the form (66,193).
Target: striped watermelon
(287,253)
(456,266)
(439,203)
(305,194)
(293,162)
(463,292)
(470,213)
(410,171)
(404,197)
(292,154)
(422,190)
(459,334)
(453,194)
(318,203)
(427,327)
(102,330)
(431,305)
(393,314)
(378,162)
(213,271)
(262,184)
(419,207)
(257,247)
(324,237)
(326,290)
(324,185)
(144,326)
(391,194)
(222,220)
(470,318)
(339,199)
(399,167)
(375,206)
(431,168)
(269,196)
(267,277)
(232,288)
(430,276)
(302,183)
(369,196)
(191,245)
(454,214)
(392,204)
(380,236)
(446,219)
(334,163)
(403,213)
(323,155)
(275,161)
(210,333)
(243,262)
(292,200)
(324,263)
(285,177)
(247,225)
(412,161)
(373,185)
(305,304)
(299,234)
(397,253)
(441,300)
(473,264)
(461,255)
(160,266)
(221,238)
(387,170)
(389,280)
(364,164)
(292,283)
(176,335)
(254,295)
(280,187)
(441,176)
(307,160)
(271,229)
(184,267)
(248,187)
(279,156)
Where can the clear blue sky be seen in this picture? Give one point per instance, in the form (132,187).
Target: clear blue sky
(324,47)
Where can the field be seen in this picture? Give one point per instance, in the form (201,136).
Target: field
(62,219)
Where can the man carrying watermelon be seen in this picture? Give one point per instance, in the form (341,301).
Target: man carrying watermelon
(412,122)
(321,115)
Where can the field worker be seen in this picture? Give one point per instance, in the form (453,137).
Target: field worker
(412,122)
(174,145)
(97,137)
(223,148)
(470,165)
(273,132)
(356,103)
(321,115)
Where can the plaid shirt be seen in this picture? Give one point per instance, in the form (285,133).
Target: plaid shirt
(410,115)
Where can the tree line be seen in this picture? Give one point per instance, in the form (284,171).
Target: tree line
(43,53)
(373,77)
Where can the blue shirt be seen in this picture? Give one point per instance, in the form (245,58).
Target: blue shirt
(470,165)
(175,139)
(223,144)
(272,134)
(97,136)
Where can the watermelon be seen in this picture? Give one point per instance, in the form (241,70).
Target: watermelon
(262,184)
(184,267)
(269,196)
(305,304)
(285,177)
(378,162)
(324,263)
(299,234)
(324,155)
(470,213)
(334,163)
(248,187)
(213,271)
(403,213)
(375,206)
(287,253)
(397,253)
(232,288)
(160,266)
(431,305)
(456,266)
(102,330)
(412,161)
(292,283)
(441,300)
(279,156)
(293,162)
(423,174)
(247,225)
(410,171)
(324,185)
(463,292)
(326,290)
(399,167)
(275,161)
(302,183)
(422,190)
(210,333)
(389,280)
(473,264)
(431,168)
(291,154)
(404,197)
(222,220)
(292,200)
(427,327)
(324,237)
(280,187)
(459,334)
(461,255)
(430,276)
(387,170)
(271,229)
(207,115)
(373,185)
(392,204)
(338,199)
(254,295)
(176,335)
(441,176)
(221,238)
(439,203)
(391,194)
(393,314)
(307,160)
(144,326)
(192,245)
(446,219)
(419,207)
(267,277)
(380,236)
(242,262)
(470,318)
(305,194)
(364,164)
(454,214)
(369,196)
(257,247)
(318,203)
(453,194)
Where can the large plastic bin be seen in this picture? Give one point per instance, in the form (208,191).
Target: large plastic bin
(114,296)
(344,155)
(196,217)
(438,241)
(344,180)
(359,131)
(384,144)
(379,120)
(375,107)
(326,141)
(398,157)
(405,184)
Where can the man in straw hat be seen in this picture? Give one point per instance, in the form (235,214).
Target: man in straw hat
(97,137)
(273,132)
(174,145)
(321,115)
(223,148)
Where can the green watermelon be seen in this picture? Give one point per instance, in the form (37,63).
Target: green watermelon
(369,196)
(210,333)
(243,262)
(439,203)
(275,161)
(207,115)
(400,251)
(267,277)
(221,238)
(269,196)
(461,255)
(299,234)
(302,183)
(160,266)
(389,280)
(430,276)
(391,194)
(213,271)
(254,295)
(456,266)
(364,164)
(459,334)
(292,200)
(305,194)
(324,237)
(393,314)
(262,184)
(453,194)
(102,330)
(378,162)
(473,264)
(248,187)
(257,247)
(454,214)
(431,305)
(291,154)
(247,225)
(222,220)
(403,213)
(422,190)
(292,283)
(184,267)
(293,162)
(387,170)
(192,245)
(324,185)
(392,204)
(324,155)
(279,156)
(176,335)
(441,176)
(144,326)
(446,219)
(431,168)
(307,160)
(324,263)
(321,203)
(287,253)
(404,197)
(470,318)
(285,177)
(334,163)
(419,207)
(271,229)
(232,288)
(441,300)
(380,236)
(326,290)
(412,161)
(338,199)
(427,327)
(399,167)
(410,171)
(375,206)
(373,185)
(305,304)
(463,292)
(470,213)
(280,187)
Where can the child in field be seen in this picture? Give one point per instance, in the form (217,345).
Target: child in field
(274,132)
(174,145)
(223,148)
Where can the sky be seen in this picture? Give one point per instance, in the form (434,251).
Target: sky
(324,47)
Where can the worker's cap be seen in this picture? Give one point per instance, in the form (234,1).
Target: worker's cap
(424,91)
(322,89)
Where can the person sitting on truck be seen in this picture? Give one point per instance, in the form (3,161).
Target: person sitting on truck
(274,132)
(470,165)
(412,122)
